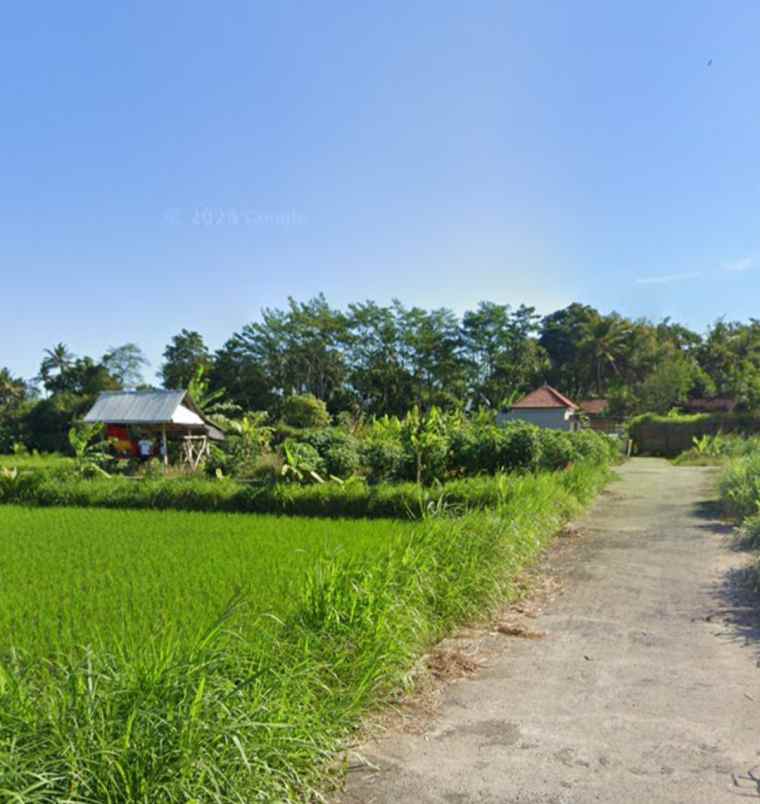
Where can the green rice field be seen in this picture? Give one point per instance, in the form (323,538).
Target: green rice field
(74,576)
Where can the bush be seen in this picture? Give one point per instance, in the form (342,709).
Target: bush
(381,452)
(305,410)
(338,450)
(740,486)
(521,446)
(559,449)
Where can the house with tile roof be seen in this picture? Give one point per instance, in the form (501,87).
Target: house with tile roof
(545,407)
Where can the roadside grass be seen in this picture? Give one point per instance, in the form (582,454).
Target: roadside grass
(167,657)
(691,459)
(717,450)
(740,496)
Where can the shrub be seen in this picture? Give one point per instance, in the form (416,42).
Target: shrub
(342,460)
(338,449)
(305,410)
(381,452)
(476,449)
(558,449)
(520,447)
(740,486)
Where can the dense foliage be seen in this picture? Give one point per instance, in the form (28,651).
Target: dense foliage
(394,467)
(168,657)
(371,360)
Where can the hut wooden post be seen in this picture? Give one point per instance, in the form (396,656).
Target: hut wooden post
(164,447)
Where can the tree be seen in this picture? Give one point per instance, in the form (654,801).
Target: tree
(13,396)
(300,350)
(376,373)
(125,364)
(84,377)
(603,340)
(305,410)
(668,386)
(504,355)
(182,357)
(13,390)
(55,363)
(432,353)
(562,333)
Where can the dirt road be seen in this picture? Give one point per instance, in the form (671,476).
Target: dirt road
(645,688)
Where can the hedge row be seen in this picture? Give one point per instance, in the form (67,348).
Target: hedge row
(670,435)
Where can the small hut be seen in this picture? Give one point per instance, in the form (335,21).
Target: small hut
(164,415)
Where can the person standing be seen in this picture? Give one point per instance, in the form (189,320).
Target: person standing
(145,448)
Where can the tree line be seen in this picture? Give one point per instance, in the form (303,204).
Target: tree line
(386,359)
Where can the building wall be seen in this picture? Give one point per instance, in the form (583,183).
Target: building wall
(551,418)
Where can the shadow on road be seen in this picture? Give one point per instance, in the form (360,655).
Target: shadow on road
(736,596)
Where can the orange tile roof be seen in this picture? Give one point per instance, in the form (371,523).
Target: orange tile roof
(593,406)
(546,397)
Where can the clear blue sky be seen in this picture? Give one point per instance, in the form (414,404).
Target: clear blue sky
(169,165)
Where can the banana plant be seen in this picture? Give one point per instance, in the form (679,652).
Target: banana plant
(89,454)
(300,465)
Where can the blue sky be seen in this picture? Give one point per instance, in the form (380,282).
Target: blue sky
(183,165)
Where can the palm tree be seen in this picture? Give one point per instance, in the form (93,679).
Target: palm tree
(604,340)
(56,361)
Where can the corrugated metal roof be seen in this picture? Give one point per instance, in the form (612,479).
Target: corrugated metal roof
(135,407)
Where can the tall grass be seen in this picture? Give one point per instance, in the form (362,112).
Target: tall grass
(37,461)
(247,701)
(740,494)
(740,485)
(354,499)
(708,450)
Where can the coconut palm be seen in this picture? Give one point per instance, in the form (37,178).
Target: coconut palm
(604,340)
(56,361)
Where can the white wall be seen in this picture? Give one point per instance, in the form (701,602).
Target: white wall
(551,418)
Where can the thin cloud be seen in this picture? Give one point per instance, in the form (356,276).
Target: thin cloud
(666,279)
(737,266)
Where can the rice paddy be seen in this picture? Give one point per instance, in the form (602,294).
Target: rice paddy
(75,576)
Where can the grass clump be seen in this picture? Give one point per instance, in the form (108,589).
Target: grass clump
(126,677)
(740,495)
(715,450)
